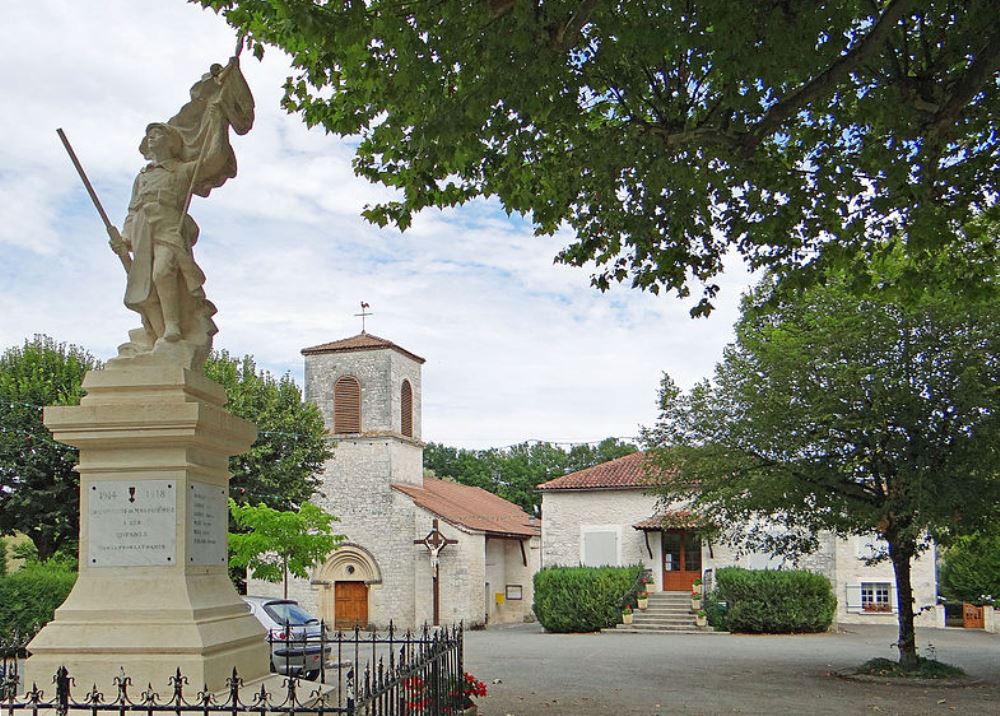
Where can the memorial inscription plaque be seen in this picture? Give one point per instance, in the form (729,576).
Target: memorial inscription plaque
(207,524)
(132,524)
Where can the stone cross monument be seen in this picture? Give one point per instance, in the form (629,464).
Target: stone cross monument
(153,593)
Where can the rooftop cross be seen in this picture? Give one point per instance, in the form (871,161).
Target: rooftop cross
(364,313)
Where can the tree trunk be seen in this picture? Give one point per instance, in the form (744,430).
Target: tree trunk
(284,565)
(901,555)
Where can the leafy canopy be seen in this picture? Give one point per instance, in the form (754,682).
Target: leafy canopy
(275,544)
(39,491)
(281,468)
(802,134)
(971,569)
(858,415)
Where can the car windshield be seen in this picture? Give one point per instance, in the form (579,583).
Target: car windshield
(290,613)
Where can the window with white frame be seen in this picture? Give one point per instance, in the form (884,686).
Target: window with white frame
(598,546)
(876,597)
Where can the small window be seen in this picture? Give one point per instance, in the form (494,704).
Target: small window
(347,405)
(875,597)
(406,409)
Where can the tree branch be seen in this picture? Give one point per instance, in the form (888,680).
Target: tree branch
(833,74)
(985,65)
(565,36)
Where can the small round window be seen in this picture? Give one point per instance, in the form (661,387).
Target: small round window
(350,569)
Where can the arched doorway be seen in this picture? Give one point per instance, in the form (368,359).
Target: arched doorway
(346,577)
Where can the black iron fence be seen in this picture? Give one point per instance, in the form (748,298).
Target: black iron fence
(358,673)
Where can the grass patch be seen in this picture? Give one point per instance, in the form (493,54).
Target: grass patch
(926,669)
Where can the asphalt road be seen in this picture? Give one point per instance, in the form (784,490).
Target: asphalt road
(644,674)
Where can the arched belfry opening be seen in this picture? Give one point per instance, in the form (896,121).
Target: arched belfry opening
(406,409)
(347,405)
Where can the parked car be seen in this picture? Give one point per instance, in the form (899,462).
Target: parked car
(296,636)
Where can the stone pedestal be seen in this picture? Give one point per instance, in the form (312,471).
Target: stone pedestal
(153,594)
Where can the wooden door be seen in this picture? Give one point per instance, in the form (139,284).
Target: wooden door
(972,616)
(681,560)
(350,605)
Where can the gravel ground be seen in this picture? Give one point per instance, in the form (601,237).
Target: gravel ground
(646,674)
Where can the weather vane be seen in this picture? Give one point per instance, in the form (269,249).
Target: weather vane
(364,313)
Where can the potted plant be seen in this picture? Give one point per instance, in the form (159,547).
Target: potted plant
(695,600)
(627,614)
(697,586)
(701,619)
(643,599)
(647,583)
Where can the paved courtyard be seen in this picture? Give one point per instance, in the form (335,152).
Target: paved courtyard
(646,674)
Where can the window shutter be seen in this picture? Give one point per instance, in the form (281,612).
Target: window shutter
(347,406)
(406,409)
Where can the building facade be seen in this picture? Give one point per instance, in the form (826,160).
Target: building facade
(418,550)
(607,514)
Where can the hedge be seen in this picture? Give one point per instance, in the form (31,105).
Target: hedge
(771,602)
(583,599)
(29,597)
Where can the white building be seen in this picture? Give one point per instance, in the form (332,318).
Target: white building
(606,515)
(368,390)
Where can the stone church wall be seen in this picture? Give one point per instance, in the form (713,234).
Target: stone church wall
(462,574)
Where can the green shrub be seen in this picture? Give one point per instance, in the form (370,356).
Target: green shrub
(582,599)
(771,602)
(29,596)
(3,556)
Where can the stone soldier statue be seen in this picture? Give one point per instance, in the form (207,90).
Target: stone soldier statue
(188,154)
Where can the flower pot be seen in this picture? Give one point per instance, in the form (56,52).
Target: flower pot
(627,618)
(471,711)
(695,605)
(701,621)
(643,603)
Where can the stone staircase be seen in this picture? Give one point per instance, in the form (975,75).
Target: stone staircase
(667,612)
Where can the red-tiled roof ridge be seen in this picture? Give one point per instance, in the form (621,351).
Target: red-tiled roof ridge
(471,507)
(361,342)
(624,472)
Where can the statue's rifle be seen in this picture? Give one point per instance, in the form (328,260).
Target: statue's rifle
(123,254)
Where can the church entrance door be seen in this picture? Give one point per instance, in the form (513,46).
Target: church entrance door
(350,605)
(681,560)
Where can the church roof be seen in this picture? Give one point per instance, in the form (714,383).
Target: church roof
(472,507)
(361,342)
(622,473)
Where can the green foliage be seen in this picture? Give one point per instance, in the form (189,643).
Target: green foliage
(971,569)
(857,415)
(39,491)
(773,602)
(583,599)
(664,134)
(515,472)
(281,468)
(30,596)
(275,544)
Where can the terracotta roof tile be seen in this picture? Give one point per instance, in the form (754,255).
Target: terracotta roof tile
(360,342)
(623,472)
(472,507)
(670,518)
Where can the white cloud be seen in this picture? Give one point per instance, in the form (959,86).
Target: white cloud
(517,347)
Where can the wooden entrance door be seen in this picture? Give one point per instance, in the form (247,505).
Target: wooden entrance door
(350,605)
(972,616)
(681,560)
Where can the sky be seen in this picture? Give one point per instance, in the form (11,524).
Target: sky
(517,348)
